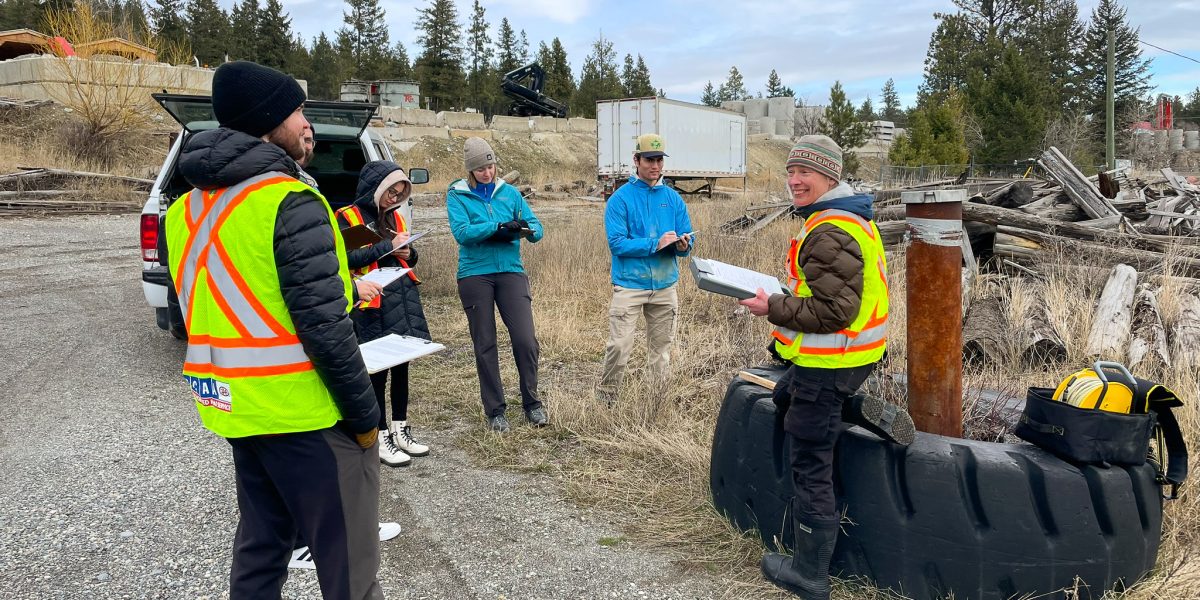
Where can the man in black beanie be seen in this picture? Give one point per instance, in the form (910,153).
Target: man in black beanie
(272,360)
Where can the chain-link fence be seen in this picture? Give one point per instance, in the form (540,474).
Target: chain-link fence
(897,176)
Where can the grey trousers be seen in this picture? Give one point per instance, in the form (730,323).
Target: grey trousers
(481,295)
(319,484)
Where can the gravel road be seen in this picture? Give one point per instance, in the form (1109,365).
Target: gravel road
(110,487)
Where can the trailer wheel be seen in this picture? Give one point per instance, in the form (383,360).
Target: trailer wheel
(982,520)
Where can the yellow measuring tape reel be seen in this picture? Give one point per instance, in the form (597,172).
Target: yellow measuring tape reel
(1091,388)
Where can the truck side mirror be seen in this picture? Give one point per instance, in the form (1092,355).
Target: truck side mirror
(418,176)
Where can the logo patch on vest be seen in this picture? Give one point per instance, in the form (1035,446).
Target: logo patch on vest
(211,392)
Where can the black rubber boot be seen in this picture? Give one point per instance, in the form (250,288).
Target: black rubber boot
(806,572)
(881,418)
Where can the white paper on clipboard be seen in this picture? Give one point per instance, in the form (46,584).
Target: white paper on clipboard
(391,350)
(385,275)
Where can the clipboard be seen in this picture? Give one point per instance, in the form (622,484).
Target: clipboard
(359,236)
(392,349)
(728,280)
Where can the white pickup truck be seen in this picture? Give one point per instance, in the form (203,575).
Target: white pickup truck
(343,144)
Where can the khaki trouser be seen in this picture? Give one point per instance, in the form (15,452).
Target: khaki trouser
(659,307)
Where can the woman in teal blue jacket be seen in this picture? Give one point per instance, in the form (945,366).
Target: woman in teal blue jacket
(489,218)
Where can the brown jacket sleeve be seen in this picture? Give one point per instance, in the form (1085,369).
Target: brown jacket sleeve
(833,267)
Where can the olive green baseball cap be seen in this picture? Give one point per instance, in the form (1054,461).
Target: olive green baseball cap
(650,145)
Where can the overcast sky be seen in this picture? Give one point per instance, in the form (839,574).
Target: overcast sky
(810,43)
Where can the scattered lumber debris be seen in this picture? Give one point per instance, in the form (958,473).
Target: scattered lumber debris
(43,191)
(6,102)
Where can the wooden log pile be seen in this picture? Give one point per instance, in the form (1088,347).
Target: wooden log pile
(1138,233)
(37,191)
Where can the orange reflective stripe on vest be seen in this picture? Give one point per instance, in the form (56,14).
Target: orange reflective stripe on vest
(353,216)
(866,336)
(265,347)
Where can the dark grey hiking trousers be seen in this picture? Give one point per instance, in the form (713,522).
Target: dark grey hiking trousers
(481,295)
(318,484)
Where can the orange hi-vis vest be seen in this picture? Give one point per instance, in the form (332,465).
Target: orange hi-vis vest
(861,343)
(353,216)
(247,368)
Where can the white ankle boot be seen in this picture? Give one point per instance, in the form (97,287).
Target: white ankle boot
(390,454)
(402,433)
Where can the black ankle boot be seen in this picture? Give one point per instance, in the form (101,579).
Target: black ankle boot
(806,572)
(880,417)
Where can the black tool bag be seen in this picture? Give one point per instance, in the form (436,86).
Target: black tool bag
(1094,436)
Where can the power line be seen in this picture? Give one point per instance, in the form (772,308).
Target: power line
(1170,52)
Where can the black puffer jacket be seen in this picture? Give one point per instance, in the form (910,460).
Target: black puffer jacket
(400,309)
(307,264)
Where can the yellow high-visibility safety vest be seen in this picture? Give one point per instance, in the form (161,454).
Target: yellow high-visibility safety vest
(246,367)
(353,216)
(864,341)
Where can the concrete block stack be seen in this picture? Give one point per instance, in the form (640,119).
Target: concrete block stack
(767,125)
(581,125)
(513,124)
(1175,139)
(1191,140)
(736,106)
(783,110)
(756,108)
(460,120)
(883,131)
(547,124)
(1160,139)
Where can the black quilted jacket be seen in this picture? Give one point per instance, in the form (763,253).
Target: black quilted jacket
(400,309)
(306,261)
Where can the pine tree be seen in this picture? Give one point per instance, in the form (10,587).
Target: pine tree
(440,65)
(169,24)
(708,97)
(842,124)
(243,27)
(507,54)
(891,103)
(599,79)
(523,49)
(560,83)
(398,65)
(274,35)
(134,25)
(481,79)
(775,87)
(1132,81)
(734,87)
(299,60)
(1051,46)
(641,78)
(326,80)
(936,133)
(1010,109)
(364,34)
(866,112)
(635,78)
(209,26)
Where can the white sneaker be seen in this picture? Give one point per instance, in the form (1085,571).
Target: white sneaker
(402,434)
(390,454)
(302,559)
(388,531)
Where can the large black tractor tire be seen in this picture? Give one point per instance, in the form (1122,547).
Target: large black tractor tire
(980,520)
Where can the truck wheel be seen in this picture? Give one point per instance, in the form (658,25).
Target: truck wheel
(982,520)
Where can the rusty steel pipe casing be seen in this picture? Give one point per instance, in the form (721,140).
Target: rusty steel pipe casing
(933,265)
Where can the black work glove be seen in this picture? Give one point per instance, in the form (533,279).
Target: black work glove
(506,232)
(524,224)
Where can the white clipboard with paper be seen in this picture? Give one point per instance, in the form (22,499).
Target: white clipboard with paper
(392,349)
(729,280)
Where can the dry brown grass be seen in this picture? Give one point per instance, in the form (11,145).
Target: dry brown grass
(647,460)
(44,137)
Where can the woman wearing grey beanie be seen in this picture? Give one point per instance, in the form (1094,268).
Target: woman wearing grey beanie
(489,218)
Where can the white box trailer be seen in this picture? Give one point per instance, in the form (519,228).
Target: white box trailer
(703,143)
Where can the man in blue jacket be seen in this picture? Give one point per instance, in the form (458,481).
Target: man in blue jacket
(648,227)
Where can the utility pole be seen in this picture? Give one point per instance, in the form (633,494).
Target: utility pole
(1110,140)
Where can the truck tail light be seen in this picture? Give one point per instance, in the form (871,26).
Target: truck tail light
(150,238)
